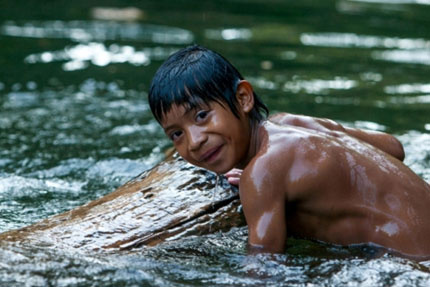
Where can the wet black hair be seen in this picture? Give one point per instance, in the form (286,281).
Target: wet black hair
(195,76)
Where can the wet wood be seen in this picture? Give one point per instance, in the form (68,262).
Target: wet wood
(172,200)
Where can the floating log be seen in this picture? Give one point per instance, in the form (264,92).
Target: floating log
(171,200)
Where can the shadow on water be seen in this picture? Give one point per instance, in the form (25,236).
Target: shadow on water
(75,123)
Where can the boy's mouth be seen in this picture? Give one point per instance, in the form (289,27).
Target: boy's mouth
(211,154)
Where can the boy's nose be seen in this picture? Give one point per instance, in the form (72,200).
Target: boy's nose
(196,137)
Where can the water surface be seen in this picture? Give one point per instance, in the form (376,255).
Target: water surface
(75,123)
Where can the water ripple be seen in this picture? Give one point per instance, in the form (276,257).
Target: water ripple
(417,149)
(350,40)
(87,31)
(79,57)
(319,86)
(416,56)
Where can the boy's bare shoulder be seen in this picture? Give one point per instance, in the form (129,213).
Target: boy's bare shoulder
(291,119)
(285,118)
(312,123)
(289,159)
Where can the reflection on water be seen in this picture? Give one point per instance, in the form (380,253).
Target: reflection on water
(370,126)
(405,89)
(417,149)
(408,89)
(65,148)
(71,133)
(118,14)
(263,83)
(80,56)
(87,31)
(410,100)
(371,77)
(413,51)
(421,57)
(349,40)
(229,34)
(318,86)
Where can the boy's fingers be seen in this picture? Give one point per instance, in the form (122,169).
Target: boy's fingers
(233,176)
(234,172)
(234,180)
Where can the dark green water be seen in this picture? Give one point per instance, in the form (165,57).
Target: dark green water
(75,123)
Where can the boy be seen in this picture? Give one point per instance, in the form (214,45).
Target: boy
(302,176)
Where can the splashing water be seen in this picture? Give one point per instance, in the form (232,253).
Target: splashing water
(214,192)
(69,137)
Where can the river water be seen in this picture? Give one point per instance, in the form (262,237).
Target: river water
(75,122)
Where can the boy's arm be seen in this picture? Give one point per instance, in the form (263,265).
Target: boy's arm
(382,141)
(264,210)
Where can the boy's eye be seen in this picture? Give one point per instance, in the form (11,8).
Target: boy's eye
(201,115)
(175,135)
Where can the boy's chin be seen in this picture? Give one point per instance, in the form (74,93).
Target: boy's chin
(219,168)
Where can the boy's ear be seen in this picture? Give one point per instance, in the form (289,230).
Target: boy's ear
(245,96)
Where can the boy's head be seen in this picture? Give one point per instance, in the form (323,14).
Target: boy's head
(195,76)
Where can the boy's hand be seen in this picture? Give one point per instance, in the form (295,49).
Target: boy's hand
(233,176)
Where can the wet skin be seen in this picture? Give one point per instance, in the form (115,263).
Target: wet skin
(309,177)
(211,137)
(325,184)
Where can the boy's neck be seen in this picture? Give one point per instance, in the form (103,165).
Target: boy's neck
(254,143)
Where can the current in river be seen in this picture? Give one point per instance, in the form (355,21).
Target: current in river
(75,122)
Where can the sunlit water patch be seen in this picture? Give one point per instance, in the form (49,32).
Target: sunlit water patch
(80,56)
(406,94)
(350,40)
(263,83)
(117,14)
(75,181)
(319,86)
(417,100)
(418,56)
(370,126)
(63,145)
(61,149)
(229,34)
(417,149)
(87,31)
(413,88)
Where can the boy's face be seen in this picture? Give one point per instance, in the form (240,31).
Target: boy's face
(210,136)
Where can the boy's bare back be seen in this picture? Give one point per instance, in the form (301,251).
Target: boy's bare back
(315,179)
(302,176)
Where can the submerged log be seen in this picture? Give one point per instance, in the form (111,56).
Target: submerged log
(171,200)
